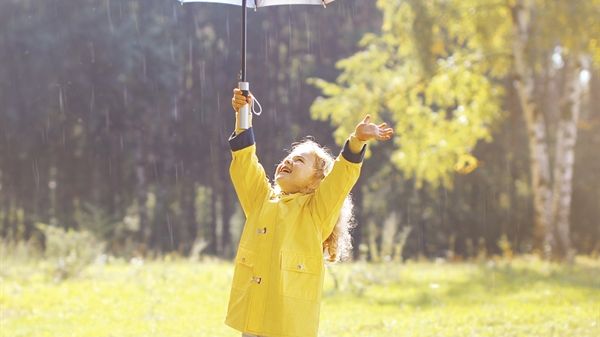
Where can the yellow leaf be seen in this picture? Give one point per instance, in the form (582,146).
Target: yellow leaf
(466,164)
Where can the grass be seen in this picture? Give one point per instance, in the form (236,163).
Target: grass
(181,298)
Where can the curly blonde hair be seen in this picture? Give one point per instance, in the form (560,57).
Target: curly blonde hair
(338,245)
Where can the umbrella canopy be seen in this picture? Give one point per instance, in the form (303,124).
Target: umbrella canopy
(265,3)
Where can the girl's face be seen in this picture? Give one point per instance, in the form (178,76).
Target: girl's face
(296,173)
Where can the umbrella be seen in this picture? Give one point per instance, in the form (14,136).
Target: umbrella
(245,4)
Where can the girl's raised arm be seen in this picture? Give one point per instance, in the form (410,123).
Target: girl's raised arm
(247,174)
(335,187)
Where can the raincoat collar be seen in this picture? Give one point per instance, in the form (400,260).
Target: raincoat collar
(287,196)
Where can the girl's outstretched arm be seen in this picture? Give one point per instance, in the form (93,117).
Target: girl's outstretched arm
(335,187)
(247,174)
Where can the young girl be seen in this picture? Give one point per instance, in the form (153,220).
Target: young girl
(279,269)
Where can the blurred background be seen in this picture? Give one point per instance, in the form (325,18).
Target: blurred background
(115,117)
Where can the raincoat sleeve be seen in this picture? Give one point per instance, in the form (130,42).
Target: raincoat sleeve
(247,174)
(330,195)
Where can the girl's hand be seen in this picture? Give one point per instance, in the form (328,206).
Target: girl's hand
(240,100)
(366,130)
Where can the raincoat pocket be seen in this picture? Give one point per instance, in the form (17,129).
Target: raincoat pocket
(300,275)
(244,267)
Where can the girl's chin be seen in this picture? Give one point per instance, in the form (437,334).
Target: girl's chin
(280,176)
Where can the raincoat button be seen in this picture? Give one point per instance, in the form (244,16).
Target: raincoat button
(256,279)
(262,230)
(300,266)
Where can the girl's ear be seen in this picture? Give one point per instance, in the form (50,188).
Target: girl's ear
(315,183)
(316,180)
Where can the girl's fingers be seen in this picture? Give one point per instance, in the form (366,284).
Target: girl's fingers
(367,119)
(385,134)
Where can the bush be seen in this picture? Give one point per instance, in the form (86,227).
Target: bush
(70,251)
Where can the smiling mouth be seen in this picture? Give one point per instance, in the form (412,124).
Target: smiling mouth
(285,169)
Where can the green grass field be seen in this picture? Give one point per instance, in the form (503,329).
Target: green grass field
(182,298)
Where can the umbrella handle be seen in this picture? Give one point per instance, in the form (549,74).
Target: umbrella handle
(244,115)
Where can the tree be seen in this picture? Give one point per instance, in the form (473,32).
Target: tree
(536,40)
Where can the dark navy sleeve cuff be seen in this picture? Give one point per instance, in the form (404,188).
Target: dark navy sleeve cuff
(352,157)
(242,140)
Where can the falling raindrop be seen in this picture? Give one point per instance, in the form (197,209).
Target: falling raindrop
(227,28)
(307,27)
(92,101)
(107,119)
(266,47)
(190,54)
(174,13)
(219,101)
(202,72)
(290,36)
(125,96)
(61,104)
(110,23)
(170,230)
(172,51)
(144,67)
(36,173)
(175,109)
(92,52)
(135,18)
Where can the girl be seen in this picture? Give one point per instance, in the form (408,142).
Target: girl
(278,275)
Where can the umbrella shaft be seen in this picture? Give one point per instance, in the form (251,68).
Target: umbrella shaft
(244,16)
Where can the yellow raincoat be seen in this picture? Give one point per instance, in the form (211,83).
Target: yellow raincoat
(278,275)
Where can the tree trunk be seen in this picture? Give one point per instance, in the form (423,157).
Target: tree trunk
(564,161)
(536,132)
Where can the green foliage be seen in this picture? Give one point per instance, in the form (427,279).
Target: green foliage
(21,250)
(436,70)
(178,298)
(579,31)
(440,98)
(70,251)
